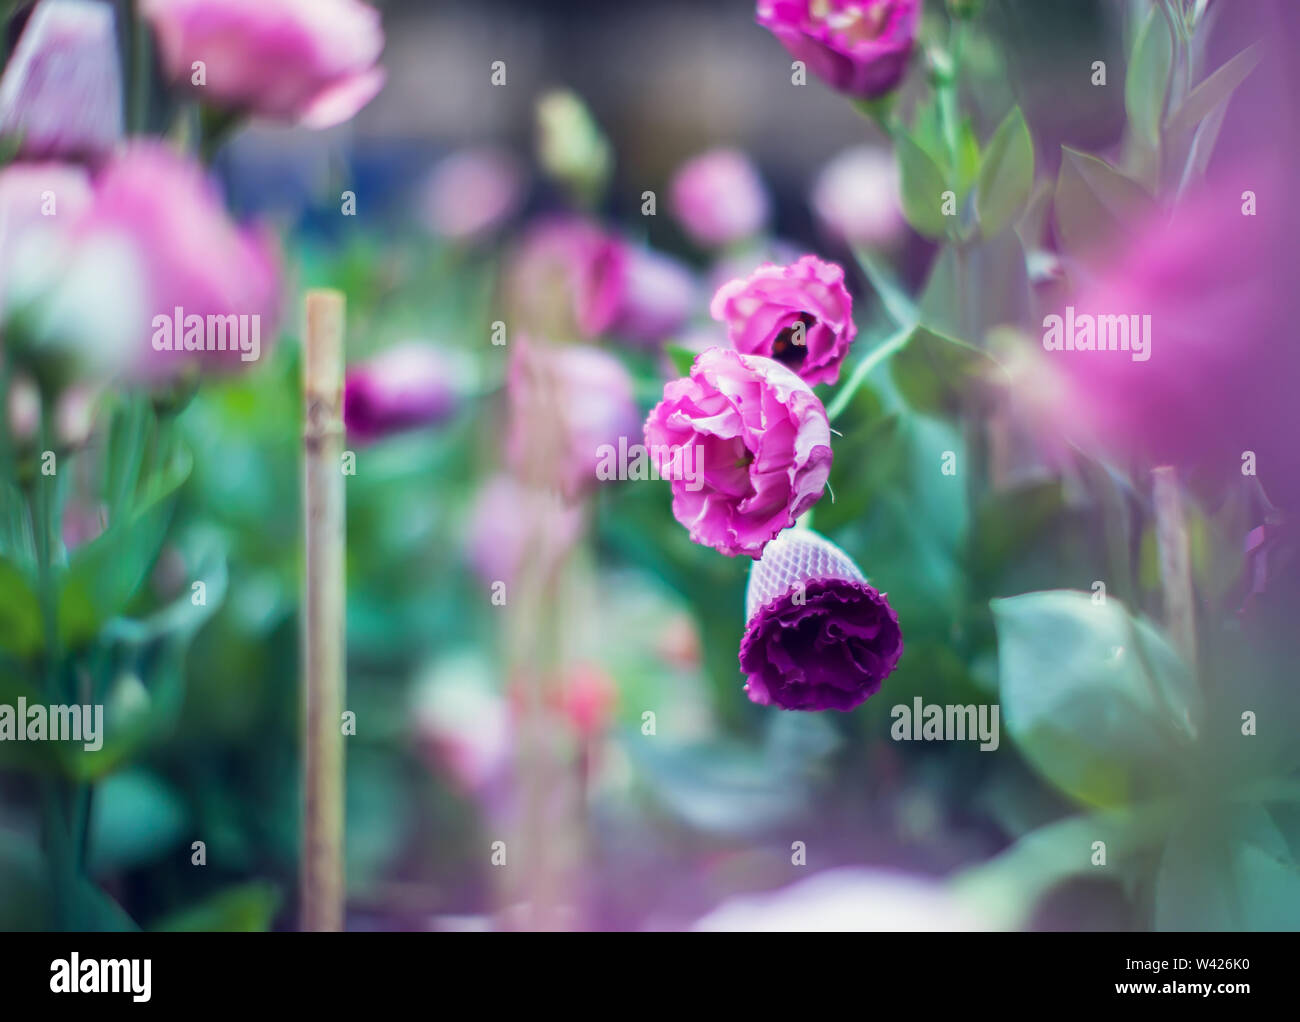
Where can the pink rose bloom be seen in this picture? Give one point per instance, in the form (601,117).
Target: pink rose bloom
(718,198)
(858,47)
(746,445)
(470,194)
(568,405)
(309,62)
(162,213)
(856,197)
(404,387)
(62,88)
(801,315)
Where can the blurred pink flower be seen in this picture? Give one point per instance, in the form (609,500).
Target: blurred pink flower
(513,526)
(565,278)
(310,62)
(36,199)
(464,726)
(856,197)
(566,403)
(801,315)
(158,207)
(718,198)
(410,385)
(858,47)
(470,194)
(1218,377)
(61,93)
(845,900)
(656,297)
(746,445)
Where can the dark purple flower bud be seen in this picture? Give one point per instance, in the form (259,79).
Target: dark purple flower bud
(819,637)
(405,387)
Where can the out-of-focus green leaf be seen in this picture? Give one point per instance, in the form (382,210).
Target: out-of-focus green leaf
(1097,701)
(1095,203)
(106,573)
(136,818)
(20,611)
(1231,870)
(1147,81)
(1011,519)
(923,185)
(937,375)
(1006,175)
(1214,90)
(244,908)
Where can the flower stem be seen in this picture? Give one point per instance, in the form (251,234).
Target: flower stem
(889,346)
(1172,540)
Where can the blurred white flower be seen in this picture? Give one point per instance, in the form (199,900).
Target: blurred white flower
(856,197)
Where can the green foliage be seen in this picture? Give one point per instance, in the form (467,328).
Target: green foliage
(1006,175)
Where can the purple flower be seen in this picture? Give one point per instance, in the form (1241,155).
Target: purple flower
(514,528)
(747,446)
(564,278)
(801,315)
(309,62)
(405,387)
(62,88)
(818,636)
(858,47)
(719,198)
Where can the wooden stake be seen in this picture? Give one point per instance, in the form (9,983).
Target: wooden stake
(323,613)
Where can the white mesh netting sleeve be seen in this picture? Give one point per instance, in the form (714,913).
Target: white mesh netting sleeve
(796,555)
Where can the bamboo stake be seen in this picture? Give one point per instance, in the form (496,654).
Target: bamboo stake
(323,614)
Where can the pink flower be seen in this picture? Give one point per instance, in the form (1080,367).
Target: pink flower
(402,388)
(159,210)
(719,198)
(801,315)
(568,405)
(310,62)
(62,88)
(565,278)
(747,446)
(858,47)
(856,197)
(513,526)
(469,194)
(656,296)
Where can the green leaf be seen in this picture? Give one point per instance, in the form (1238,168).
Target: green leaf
(1006,175)
(105,574)
(1231,869)
(1097,701)
(923,185)
(20,611)
(681,357)
(1095,203)
(243,908)
(1147,81)
(968,159)
(135,819)
(1215,90)
(1011,519)
(898,304)
(936,374)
